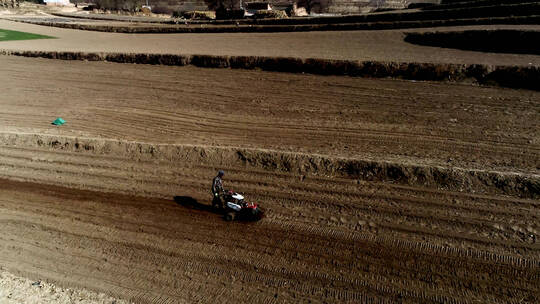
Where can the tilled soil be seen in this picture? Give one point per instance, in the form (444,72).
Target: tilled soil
(412,122)
(322,240)
(142,229)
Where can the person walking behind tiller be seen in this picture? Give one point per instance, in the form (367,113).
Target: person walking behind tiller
(217,189)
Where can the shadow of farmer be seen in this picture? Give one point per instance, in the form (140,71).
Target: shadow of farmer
(190,202)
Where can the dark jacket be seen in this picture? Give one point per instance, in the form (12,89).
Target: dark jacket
(217,185)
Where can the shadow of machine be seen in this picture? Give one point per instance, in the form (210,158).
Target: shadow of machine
(190,202)
(249,212)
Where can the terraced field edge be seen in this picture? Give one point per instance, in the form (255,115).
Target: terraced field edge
(260,27)
(493,41)
(448,178)
(526,77)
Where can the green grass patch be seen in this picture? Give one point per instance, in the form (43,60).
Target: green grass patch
(6,35)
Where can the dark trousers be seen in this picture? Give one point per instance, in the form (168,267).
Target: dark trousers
(217,201)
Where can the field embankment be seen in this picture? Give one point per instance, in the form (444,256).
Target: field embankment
(197,27)
(449,178)
(526,77)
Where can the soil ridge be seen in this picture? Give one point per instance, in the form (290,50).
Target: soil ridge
(447,178)
(526,77)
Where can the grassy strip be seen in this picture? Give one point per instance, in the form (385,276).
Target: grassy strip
(6,35)
(527,77)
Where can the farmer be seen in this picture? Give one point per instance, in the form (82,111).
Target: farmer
(217,189)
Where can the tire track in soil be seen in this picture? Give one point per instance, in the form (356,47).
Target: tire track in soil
(443,124)
(382,279)
(324,276)
(108,222)
(437,221)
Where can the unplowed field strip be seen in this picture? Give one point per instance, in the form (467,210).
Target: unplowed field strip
(420,122)
(383,45)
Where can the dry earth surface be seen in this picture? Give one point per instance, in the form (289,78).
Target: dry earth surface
(387,45)
(17,290)
(416,122)
(102,216)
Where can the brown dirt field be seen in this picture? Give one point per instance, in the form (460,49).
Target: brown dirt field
(414,122)
(104,218)
(323,240)
(386,45)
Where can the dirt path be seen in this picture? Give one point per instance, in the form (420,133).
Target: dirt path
(410,122)
(387,45)
(17,290)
